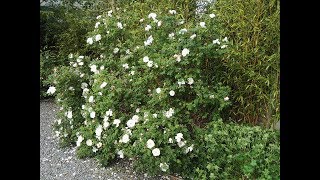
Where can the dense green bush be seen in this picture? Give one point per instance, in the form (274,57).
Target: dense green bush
(147,90)
(226,151)
(251,67)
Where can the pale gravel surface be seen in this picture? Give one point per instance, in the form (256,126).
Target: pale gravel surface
(57,163)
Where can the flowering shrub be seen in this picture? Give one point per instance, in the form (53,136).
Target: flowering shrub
(144,91)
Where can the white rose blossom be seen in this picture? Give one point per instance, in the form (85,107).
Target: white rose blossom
(116,122)
(119,25)
(171,35)
(89,142)
(69,114)
(178,57)
(80,139)
(103,85)
(185,52)
(225,39)
(149,41)
(152,15)
(135,118)
(193,36)
(126,66)
(150,144)
(164,167)
(170,140)
(120,153)
(99,144)
(178,137)
(172,11)
(97,25)
(147,28)
(90,41)
(131,123)
(203,24)
(190,81)
(158,90)
(51,90)
(159,23)
(182,31)
(181,143)
(115,50)
(223,46)
(212,15)
(216,41)
(92,114)
(172,93)
(98,37)
(91,100)
(93,68)
(125,138)
(146,59)
(156,152)
(226,98)
(150,63)
(98,132)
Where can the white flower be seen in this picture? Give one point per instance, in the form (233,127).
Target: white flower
(51,90)
(223,46)
(182,31)
(81,75)
(98,17)
(158,90)
(89,142)
(106,124)
(99,144)
(181,143)
(125,138)
(71,88)
(181,22)
(211,96)
(155,115)
(137,110)
(147,28)
(97,25)
(146,59)
(181,83)
(135,118)
(91,99)
(216,41)
(189,149)
(126,66)
(90,41)
(93,68)
(156,152)
(98,131)
(70,55)
(225,39)
(59,121)
(141,20)
(115,50)
(132,73)
(172,11)
(116,122)
(185,52)
(159,23)
(171,35)
(171,93)
(178,57)
(193,36)
(128,51)
(203,24)
(212,15)
(92,114)
(98,37)
(80,139)
(119,25)
(120,153)
(150,144)
(69,114)
(178,137)
(80,63)
(149,41)
(170,140)
(103,85)
(75,65)
(110,13)
(109,112)
(152,15)
(164,167)
(226,98)
(190,81)
(94,149)
(150,63)
(131,123)
(169,113)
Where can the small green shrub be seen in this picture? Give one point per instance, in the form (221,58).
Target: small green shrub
(227,151)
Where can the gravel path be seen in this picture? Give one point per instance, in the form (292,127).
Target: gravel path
(56,163)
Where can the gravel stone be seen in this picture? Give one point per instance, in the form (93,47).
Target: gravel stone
(61,163)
